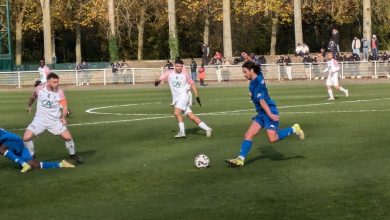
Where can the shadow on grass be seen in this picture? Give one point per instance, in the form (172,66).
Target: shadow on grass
(269,152)
(192,131)
(83,154)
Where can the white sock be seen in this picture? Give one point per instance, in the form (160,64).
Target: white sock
(30,147)
(330,92)
(182,128)
(203,126)
(343,90)
(70,146)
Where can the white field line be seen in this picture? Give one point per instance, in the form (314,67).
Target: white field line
(226,113)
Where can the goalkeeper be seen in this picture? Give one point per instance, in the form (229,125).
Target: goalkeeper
(179,83)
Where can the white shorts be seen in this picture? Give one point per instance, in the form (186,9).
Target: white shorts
(184,104)
(333,79)
(54,127)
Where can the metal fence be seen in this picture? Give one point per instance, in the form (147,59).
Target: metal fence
(299,71)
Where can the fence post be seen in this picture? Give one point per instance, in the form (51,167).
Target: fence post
(218,72)
(133,75)
(342,71)
(19,83)
(104,77)
(375,70)
(310,73)
(279,75)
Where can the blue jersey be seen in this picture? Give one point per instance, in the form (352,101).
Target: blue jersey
(11,141)
(259,91)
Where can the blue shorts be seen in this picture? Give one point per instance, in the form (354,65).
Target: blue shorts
(25,155)
(266,122)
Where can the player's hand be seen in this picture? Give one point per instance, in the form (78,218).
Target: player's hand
(28,109)
(198,101)
(274,117)
(63,121)
(157,82)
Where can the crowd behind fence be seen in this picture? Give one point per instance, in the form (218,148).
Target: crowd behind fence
(221,73)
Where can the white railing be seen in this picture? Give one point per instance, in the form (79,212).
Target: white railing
(213,73)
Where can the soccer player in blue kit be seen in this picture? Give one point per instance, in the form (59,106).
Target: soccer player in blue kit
(13,148)
(267,114)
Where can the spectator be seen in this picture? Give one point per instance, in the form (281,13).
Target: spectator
(336,39)
(205,54)
(322,53)
(356,46)
(43,70)
(217,59)
(280,63)
(202,75)
(365,45)
(83,66)
(124,68)
(374,47)
(193,67)
(114,69)
(302,49)
(307,61)
(287,62)
(168,65)
(332,47)
(261,59)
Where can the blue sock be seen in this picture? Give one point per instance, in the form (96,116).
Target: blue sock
(245,148)
(285,133)
(10,155)
(49,165)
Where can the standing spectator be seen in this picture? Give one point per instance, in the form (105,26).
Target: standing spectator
(43,72)
(336,39)
(287,62)
(280,63)
(83,66)
(356,46)
(374,47)
(322,53)
(366,46)
(307,65)
(205,54)
(202,75)
(114,69)
(124,67)
(168,65)
(193,67)
(332,47)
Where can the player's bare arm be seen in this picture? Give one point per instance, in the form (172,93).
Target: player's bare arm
(267,110)
(64,111)
(31,101)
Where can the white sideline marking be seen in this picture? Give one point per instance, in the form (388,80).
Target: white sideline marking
(224,113)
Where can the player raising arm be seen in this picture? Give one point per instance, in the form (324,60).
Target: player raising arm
(12,147)
(267,114)
(50,115)
(179,84)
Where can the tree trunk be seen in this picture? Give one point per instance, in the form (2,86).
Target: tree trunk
(206,32)
(53,47)
(173,40)
(46,21)
(298,22)
(112,45)
(227,30)
(78,43)
(141,30)
(274,33)
(19,35)
(367,19)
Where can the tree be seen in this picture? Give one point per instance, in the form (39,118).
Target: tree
(227,30)
(173,40)
(47,34)
(298,22)
(20,8)
(112,44)
(367,19)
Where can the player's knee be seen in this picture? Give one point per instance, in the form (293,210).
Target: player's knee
(2,150)
(272,139)
(249,136)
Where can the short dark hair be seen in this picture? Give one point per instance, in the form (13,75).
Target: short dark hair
(252,65)
(179,61)
(52,76)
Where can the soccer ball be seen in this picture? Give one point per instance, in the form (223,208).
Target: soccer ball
(202,161)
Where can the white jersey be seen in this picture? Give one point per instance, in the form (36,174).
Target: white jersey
(43,72)
(49,104)
(333,66)
(179,83)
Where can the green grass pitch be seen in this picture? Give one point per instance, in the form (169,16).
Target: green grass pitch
(135,169)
